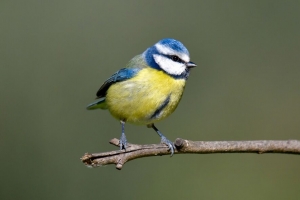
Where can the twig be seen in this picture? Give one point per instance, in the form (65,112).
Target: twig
(120,157)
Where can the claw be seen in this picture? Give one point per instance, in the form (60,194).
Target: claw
(169,144)
(163,139)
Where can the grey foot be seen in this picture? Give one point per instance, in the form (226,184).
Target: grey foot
(169,144)
(123,142)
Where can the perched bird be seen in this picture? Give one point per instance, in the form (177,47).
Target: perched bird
(148,89)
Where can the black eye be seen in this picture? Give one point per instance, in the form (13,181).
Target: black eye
(175,58)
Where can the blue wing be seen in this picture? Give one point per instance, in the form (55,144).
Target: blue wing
(121,75)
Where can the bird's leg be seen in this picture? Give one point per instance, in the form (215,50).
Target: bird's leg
(123,140)
(163,139)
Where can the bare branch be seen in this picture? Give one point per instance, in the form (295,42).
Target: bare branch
(120,157)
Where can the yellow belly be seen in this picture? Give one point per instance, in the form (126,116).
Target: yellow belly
(150,96)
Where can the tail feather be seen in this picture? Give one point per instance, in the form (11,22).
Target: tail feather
(100,103)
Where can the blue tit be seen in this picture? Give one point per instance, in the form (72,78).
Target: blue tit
(148,89)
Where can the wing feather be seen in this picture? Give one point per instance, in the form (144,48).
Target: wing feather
(121,75)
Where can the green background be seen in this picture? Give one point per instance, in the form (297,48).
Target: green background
(54,55)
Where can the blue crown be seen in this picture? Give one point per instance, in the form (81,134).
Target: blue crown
(175,45)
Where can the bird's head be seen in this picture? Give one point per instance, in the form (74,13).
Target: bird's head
(171,56)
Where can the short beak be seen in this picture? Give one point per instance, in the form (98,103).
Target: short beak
(191,65)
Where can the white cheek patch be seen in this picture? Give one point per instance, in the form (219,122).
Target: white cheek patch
(167,51)
(169,65)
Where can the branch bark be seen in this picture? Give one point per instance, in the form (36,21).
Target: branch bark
(134,151)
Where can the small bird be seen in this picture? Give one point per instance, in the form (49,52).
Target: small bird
(148,89)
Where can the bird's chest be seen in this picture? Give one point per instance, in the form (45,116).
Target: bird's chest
(149,96)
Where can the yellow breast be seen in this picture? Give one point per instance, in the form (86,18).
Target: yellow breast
(146,98)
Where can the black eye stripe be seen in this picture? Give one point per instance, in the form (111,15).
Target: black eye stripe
(176,58)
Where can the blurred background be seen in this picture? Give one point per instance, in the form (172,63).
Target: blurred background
(54,55)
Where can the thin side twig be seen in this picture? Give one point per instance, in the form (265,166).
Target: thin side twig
(134,151)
